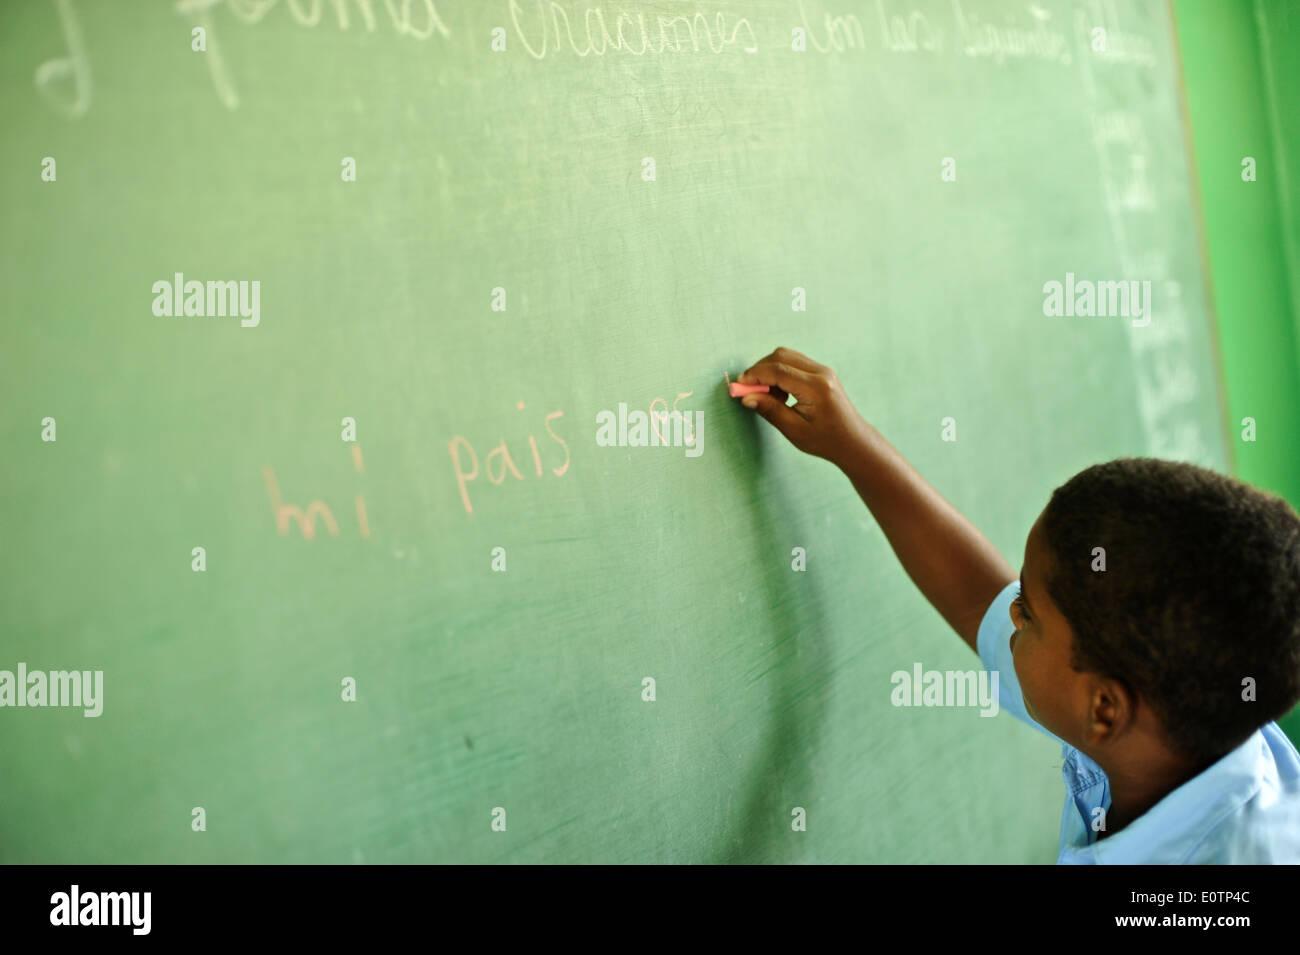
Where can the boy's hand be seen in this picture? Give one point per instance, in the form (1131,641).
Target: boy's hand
(946,556)
(824,423)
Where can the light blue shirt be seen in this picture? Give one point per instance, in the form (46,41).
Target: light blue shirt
(1243,809)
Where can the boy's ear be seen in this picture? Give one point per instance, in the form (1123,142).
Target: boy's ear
(1112,709)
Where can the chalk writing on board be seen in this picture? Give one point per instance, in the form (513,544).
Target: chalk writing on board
(499,464)
(1033,38)
(1024,33)
(306,519)
(664,417)
(661,428)
(362,521)
(549,29)
(1117,45)
(590,29)
(1161,351)
(907,32)
(74,67)
(418,20)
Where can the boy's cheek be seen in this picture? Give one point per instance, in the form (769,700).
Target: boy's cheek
(1016,662)
(1028,698)
(1025,677)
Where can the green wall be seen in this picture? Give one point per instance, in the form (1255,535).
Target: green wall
(1241,62)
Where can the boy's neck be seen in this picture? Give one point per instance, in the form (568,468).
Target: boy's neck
(1139,782)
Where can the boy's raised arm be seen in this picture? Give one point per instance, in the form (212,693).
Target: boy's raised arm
(954,565)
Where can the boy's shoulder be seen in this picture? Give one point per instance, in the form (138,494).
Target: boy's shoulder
(1242,810)
(1261,825)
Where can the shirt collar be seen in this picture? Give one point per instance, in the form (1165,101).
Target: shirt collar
(1166,832)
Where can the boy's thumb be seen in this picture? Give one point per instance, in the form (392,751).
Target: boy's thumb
(770,408)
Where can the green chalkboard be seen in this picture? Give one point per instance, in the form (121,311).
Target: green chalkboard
(477,230)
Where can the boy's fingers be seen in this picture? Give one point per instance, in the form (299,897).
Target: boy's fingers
(775,411)
(791,380)
(768,359)
(798,360)
(788,356)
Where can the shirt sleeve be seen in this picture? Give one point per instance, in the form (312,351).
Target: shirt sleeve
(994,642)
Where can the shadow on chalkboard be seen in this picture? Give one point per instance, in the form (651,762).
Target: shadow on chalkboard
(761,830)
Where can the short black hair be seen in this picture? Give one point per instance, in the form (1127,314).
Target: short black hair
(1201,590)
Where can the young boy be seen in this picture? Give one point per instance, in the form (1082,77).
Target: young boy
(1161,674)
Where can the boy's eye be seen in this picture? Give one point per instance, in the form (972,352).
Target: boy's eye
(1019,604)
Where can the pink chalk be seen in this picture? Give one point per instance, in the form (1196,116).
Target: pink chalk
(737,390)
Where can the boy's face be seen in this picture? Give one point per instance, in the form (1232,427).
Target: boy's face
(1056,695)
